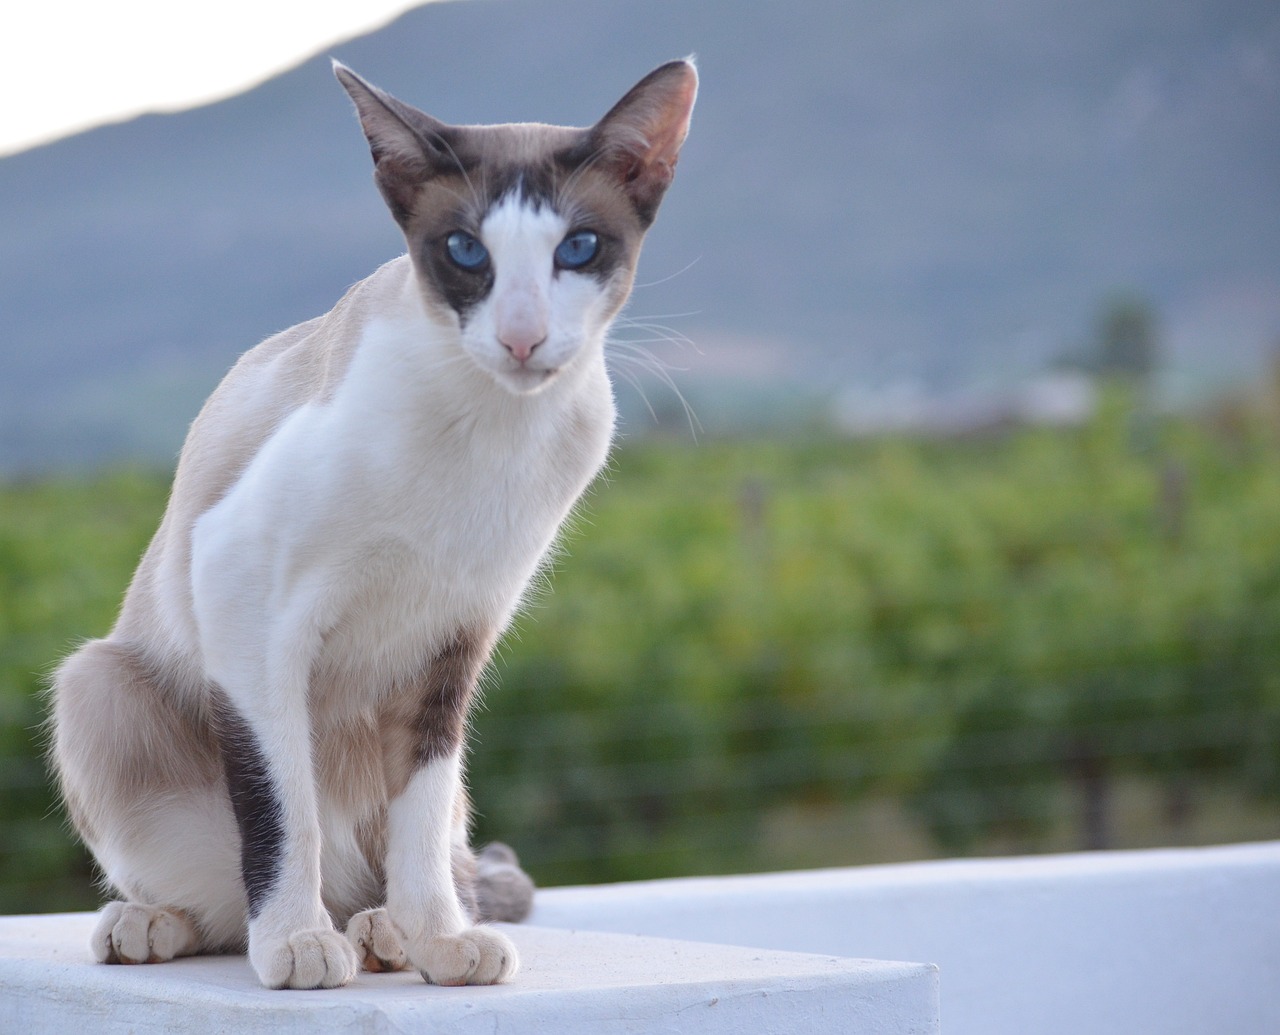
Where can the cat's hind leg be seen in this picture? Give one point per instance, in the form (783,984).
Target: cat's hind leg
(130,932)
(143,786)
(376,941)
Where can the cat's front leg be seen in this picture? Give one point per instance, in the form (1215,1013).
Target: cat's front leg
(292,941)
(260,610)
(422,900)
(424,819)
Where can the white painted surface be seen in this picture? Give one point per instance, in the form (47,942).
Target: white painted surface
(1172,941)
(1176,942)
(570,982)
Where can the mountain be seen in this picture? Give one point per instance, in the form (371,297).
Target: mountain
(930,192)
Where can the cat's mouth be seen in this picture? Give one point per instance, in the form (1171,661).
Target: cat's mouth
(521,379)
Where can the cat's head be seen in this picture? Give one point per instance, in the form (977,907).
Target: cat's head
(525,237)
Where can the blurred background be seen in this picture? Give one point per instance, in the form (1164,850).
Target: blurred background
(945,517)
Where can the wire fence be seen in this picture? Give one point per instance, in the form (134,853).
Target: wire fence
(572,790)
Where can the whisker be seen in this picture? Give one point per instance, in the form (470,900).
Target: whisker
(635,383)
(653,334)
(625,319)
(636,351)
(671,276)
(661,332)
(632,355)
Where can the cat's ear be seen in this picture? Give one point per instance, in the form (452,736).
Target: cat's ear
(640,138)
(408,146)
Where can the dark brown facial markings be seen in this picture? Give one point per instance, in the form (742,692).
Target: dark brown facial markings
(562,178)
(439,179)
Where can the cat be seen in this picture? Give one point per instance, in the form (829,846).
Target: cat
(266,750)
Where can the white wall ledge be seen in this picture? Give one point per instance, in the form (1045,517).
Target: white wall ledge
(1171,942)
(570,982)
(1164,942)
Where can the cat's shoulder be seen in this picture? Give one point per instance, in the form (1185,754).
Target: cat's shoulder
(300,365)
(309,359)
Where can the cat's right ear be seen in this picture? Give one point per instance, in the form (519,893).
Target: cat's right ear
(408,146)
(641,136)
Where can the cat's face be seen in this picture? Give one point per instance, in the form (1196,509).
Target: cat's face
(525,237)
(529,254)
(545,287)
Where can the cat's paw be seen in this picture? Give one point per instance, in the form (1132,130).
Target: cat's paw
(317,958)
(376,941)
(128,932)
(477,956)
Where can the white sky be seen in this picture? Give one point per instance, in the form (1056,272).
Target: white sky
(66,65)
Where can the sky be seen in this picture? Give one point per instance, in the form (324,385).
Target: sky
(67,65)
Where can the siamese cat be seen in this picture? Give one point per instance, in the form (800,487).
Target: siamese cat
(267,749)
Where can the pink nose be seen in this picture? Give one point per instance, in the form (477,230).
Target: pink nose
(521,341)
(521,319)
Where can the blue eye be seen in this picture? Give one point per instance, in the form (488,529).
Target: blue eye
(578,249)
(466,252)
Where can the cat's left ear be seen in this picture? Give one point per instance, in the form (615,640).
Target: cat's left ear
(641,136)
(408,145)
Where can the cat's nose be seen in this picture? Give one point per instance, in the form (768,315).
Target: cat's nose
(521,342)
(521,321)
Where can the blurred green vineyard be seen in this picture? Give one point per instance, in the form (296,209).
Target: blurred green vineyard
(791,653)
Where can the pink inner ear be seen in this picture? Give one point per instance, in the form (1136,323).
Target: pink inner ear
(670,126)
(648,127)
(663,118)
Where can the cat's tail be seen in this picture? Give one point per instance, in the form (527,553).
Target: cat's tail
(504,892)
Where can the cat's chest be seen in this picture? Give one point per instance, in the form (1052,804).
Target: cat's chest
(467,520)
(402,509)
(448,530)
(446,553)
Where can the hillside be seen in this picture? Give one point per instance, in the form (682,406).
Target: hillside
(927,192)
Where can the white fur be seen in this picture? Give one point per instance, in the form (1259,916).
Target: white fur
(418,858)
(531,300)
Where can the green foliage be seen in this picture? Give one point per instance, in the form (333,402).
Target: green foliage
(742,633)
(67,549)
(962,626)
